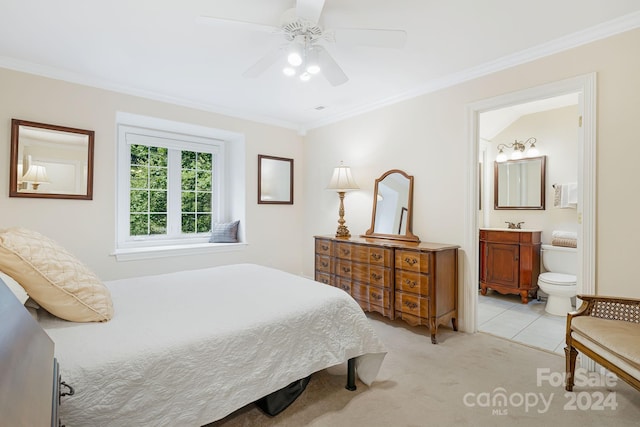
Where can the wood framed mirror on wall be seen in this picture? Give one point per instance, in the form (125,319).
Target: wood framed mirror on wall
(50,161)
(275,180)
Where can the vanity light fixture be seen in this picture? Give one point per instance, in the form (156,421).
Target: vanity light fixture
(519,148)
(342,181)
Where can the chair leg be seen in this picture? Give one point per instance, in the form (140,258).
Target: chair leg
(570,358)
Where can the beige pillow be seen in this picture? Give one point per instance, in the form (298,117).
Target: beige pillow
(15,287)
(53,277)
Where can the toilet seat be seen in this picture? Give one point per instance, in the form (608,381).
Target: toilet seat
(559,279)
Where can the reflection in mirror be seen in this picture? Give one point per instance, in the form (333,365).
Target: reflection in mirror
(50,161)
(275,180)
(392,207)
(520,184)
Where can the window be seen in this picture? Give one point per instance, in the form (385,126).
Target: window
(171,187)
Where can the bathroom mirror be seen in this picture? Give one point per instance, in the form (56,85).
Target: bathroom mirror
(520,184)
(275,180)
(392,207)
(49,161)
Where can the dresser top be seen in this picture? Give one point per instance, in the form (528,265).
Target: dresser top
(514,230)
(391,243)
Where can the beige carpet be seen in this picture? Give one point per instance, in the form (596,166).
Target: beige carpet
(453,383)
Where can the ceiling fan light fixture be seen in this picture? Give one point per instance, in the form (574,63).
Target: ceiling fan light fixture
(305,76)
(312,64)
(313,69)
(289,71)
(294,58)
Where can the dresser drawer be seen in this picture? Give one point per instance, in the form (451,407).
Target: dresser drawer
(323,277)
(371,295)
(373,255)
(323,263)
(379,276)
(352,270)
(413,261)
(412,304)
(409,281)
(379,256)
(324,247)
(344,284)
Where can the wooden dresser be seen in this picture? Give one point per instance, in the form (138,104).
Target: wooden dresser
(415,282)
(510,262)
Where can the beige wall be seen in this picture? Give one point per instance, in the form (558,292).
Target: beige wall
(556,132)
(87,228)
(426,136)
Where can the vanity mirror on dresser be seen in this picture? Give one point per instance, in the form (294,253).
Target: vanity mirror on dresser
(390,273)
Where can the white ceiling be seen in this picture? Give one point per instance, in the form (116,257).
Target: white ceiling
(159,48)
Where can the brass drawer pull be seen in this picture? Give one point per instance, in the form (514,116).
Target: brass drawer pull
(325,247)
(376,256)
(412,283)
(376,276)
(345,287)
(376,296)
(410,261)
(411,305)
(324,264)
(346,251)
(346,269)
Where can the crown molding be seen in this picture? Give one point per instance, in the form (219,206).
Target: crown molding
(598,32)
(570,41)
(76,78)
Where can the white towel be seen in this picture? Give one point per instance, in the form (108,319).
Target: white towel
(572,194)
(566,196)
(564,234)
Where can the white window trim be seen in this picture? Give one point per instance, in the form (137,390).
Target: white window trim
(232,154)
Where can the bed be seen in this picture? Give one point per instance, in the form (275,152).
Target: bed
(191,347)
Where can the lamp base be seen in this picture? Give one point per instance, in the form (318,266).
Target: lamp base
(343,231)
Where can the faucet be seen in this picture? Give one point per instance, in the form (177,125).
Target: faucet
(514,226)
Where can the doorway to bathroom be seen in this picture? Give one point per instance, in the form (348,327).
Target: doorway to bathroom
(524,151)
(517,117)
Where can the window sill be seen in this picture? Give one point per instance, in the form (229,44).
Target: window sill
(151,252)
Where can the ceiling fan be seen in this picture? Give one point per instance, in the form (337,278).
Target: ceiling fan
(303,35)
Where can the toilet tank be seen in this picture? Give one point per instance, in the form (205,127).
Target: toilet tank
(558,259)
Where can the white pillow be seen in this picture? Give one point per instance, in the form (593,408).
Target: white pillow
(15,287)
(53,277)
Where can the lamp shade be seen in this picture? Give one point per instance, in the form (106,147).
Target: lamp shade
(342,180)
(36,174)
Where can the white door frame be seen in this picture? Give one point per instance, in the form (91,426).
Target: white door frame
(585,86)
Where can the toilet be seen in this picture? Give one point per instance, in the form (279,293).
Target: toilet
(559,280)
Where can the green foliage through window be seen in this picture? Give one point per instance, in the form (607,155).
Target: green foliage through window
(149,191)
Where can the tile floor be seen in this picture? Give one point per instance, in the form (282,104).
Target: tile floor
(507,317)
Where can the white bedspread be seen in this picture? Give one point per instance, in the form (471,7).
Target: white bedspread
(188,348)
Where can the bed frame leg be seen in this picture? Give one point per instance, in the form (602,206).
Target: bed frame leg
(351,375)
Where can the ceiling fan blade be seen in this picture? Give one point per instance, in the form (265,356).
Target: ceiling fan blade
(263,63)
(330,68)
(394,39)
(309,9)
(232,24)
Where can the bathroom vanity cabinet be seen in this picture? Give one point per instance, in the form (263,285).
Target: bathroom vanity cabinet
(415,282)
(510,262)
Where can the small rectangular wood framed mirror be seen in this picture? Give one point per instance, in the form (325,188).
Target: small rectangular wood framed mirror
(50,161)
(275,180)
